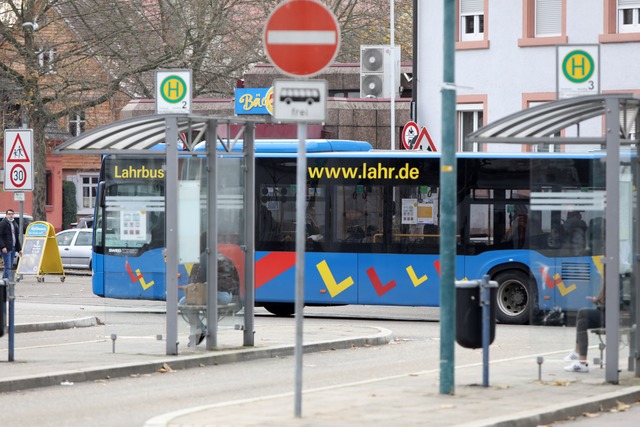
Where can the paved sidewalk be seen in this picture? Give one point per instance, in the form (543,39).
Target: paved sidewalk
(515,397)
(83,351)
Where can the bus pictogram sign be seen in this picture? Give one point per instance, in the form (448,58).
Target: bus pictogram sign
(301,37)
(173,91)
(17,159)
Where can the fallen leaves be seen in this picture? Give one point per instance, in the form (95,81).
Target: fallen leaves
(164,369)
(620,407)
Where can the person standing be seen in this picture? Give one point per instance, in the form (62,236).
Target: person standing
(9,242)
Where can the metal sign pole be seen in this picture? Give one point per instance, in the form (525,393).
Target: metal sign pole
(448,209)
(301,237)
(171,203)
(250,203)
(212,235)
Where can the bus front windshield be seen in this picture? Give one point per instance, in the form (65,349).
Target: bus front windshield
(130,218)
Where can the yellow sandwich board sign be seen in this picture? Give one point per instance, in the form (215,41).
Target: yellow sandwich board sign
(40,254)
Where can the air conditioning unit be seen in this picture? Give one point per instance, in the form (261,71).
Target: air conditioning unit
(376,68)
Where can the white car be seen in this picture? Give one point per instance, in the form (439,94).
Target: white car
(75,248)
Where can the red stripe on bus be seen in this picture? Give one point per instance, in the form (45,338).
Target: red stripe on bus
(273,265)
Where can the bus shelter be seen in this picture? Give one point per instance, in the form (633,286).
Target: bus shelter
(608,123)
(208,171)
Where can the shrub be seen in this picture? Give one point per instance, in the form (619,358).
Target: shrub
(69,204)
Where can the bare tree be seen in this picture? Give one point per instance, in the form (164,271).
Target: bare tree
(61,57)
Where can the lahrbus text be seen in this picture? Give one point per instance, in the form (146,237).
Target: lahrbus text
(137,172)
(365,171)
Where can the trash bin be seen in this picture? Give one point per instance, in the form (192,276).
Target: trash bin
(469,314)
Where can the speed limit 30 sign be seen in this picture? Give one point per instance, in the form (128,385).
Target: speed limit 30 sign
(18,164)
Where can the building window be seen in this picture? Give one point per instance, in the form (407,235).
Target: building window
(46,58)
(543,23)
(628,16)
(471,20)
(548,18)
(470,119)
(76,123)
(621,21)
(472,24)
(89,190)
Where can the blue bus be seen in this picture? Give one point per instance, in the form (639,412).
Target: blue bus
(531,221)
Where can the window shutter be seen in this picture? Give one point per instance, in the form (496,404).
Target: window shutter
(628,118)
(548,17)
(628,3)
(472,7)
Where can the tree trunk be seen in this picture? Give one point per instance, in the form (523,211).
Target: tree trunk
(39,171)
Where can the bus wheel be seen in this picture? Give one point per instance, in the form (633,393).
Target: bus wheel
(281,309)
(514,297)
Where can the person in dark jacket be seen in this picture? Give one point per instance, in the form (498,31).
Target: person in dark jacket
(588,318)
(9,242)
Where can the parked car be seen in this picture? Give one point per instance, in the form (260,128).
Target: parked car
(75,248)
(28,219)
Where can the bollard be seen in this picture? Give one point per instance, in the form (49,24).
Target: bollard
(540,361)
(3,303)
(114,337)
(7,295)
(12,328)
(487,324)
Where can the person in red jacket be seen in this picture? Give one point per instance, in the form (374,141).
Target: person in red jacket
(9,242)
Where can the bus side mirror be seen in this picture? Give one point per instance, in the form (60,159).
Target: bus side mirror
(101,194)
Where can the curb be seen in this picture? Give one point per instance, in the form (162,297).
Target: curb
(83,322)
(384,336)
(558,412)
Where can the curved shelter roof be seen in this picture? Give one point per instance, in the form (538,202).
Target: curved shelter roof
(538,124)
(137,135)
(620,125)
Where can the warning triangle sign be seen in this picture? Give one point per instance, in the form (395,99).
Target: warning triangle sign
(424,134)
(18,153)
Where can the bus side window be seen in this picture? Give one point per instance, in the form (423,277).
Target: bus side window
(575,233)
(431,235)
(358,214)
(267,225)
(481,223)
(595,235)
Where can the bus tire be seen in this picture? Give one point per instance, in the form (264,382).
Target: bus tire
(514,297)
(281,309)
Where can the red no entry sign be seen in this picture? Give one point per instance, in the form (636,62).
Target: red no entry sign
(301,37)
